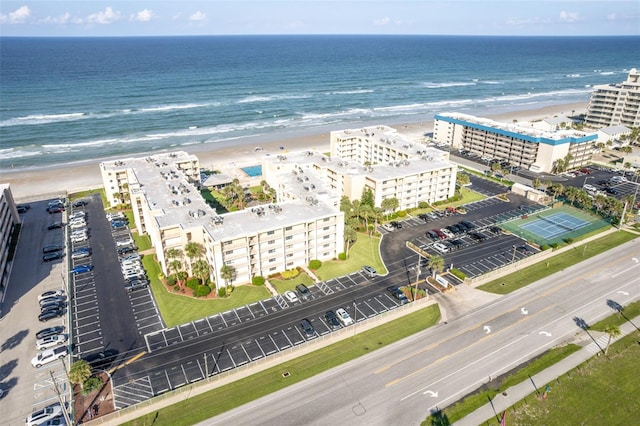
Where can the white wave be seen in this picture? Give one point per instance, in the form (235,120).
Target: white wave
(491,82)
(350,92)
(607,73)
(269,98)
(172,107)
(42,119)
(7,154)
(573,75)
(431,85)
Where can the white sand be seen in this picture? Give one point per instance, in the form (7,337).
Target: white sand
(51,181)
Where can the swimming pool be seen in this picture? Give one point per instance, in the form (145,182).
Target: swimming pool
(253,171)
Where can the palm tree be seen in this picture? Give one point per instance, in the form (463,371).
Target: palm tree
(436,263)
(79,372)
(193,250)
(613,331)
(227,272)
(350,237)
(174,265)
(173,253)
(536,183)
(202,269)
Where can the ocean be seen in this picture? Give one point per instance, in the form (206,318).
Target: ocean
(73,100)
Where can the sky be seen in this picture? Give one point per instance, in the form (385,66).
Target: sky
(91,18)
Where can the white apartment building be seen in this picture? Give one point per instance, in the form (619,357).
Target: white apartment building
(615,104)
(380,159)
(526,147)
(9,219)
(255,242)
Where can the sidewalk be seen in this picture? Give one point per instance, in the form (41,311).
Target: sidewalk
(487,413)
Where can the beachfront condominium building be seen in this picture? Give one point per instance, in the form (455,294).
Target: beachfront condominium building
(258,241)
(521,145)
(9,220)
(615,104)
(380,159)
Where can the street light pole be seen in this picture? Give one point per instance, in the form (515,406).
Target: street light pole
(513,258)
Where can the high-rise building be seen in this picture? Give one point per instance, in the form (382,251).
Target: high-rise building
(615,104)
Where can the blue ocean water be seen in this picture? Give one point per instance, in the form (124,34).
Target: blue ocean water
(66,100)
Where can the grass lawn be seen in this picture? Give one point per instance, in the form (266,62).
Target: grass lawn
(364,252)
(214,402)
(283,285)
(602,391)
(143,242)
(632,310)
(178,309)
(526,276)
(468,196)
(476,400)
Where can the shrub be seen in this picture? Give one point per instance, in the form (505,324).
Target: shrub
(423,205)
(342,256)
(402,213)
(201,290)
(192,283)
(161,276)
(222,292)
(458,273)
(545,247)
(257,280)
(289,274)
(315,264)
(171,280)
(554,245)
(568,240)
(91,385)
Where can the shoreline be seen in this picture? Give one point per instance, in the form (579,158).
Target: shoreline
(46,182)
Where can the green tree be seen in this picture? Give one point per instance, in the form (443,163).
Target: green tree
(345,205)
(227,272)
(462,179)
(202,269)
(367,197)
(436,263)
(193,250)
(613,331)
(79,372)
(350,237)
(389,204)
(536,183)
(175,265)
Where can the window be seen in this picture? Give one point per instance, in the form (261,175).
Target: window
(272,251)
(289,237)
(271,232)
(288,228)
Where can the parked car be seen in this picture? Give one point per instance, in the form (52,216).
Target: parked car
(52,256)
(50,314)
(126,250)
(304,291)
(136,285)
(115,216)
(55,225)
(52,249)
(118,225)
(478,236)
(398,295)
(80,214)
(431,235)
(369,271)
(49,355)
(50,341)
(124,243)
(77,224)
(290,296)
(53,210)
(81,253)
(79,238)
(80,203)
(43,415)
(388,227)
(396,225)
(23,208)
(495,229)
(101,360)
(52,306)
(441,247)
(332,320)
(49,331)
(439,234)
(344,317)
(81,269)
(307,328)
(447,233)
(52,299)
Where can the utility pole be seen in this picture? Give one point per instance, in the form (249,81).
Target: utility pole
(62,403)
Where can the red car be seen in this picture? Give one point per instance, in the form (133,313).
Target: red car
(440,234)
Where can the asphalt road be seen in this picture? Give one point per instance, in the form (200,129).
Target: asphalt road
(401,383)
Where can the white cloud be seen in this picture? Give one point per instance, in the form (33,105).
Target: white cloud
(198,16)
(569,16)
(382,21)
(143,16)
(611,17)
(61,19)
(108,16)
(18,16)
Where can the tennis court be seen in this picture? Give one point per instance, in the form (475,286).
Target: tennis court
(555,225)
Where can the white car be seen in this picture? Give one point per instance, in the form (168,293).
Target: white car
(344,317)
(79,238)
(41,416)
(77,224)
(50,341)
(290,296)
(388,227)
(113,216)
(123,243)
(48,355)
(77,215)
(50,293)
(441,247)
(448,233)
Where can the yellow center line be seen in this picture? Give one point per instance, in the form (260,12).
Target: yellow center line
(552,290)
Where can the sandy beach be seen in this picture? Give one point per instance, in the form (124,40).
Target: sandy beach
(50,182)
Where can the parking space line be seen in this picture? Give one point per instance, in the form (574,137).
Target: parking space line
(231,358)
(245,351)
(375,312)
(274,344)
(250,311)
(263,308)
(222,318)
(260,347)
(210,327)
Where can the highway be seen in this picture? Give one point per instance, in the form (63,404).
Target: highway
(401,383)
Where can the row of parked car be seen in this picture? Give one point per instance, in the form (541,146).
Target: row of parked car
(133,272)
(335,320)
(50,341)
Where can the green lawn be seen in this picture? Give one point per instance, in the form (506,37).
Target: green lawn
(632,310)
(476,400)
(526,276)
(214,402)
(283,285)
(364,252)
(178,309)
(602,391)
